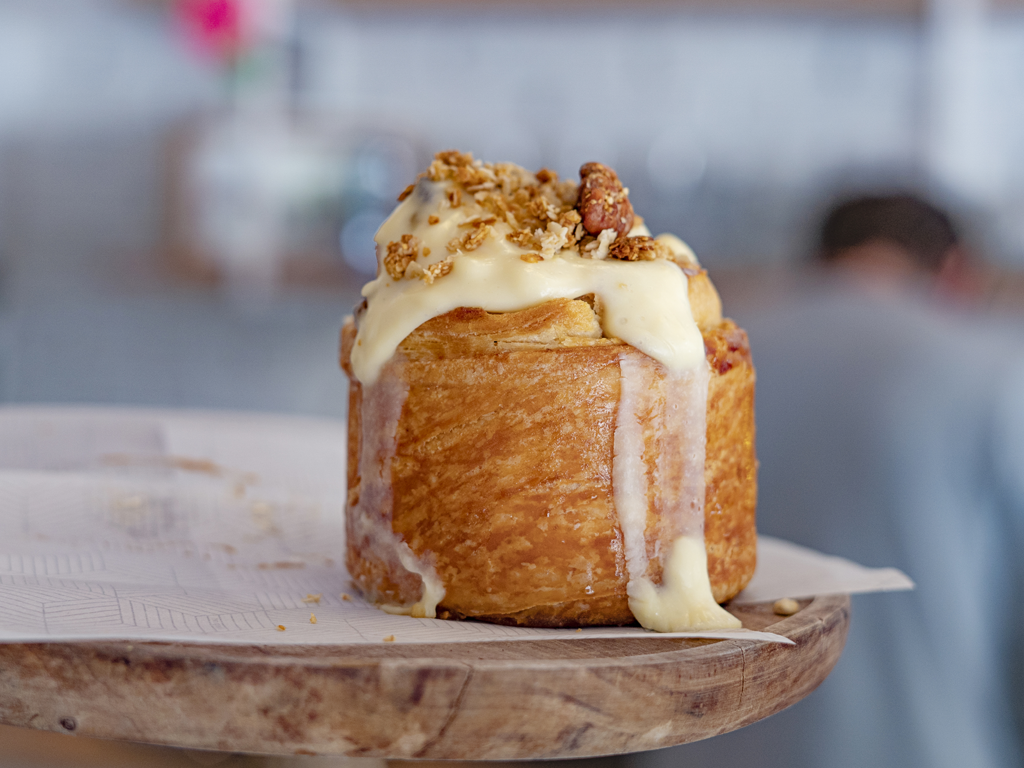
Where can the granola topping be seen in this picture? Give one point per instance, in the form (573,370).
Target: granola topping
(494,235)
(401,253)
(638,248)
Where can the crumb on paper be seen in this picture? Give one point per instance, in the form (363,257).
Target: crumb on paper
(263,516)
(310,598)
(281,564)
(346,598)
(312,618)
(189,464)
(787,606)
(389,639)
(280,627)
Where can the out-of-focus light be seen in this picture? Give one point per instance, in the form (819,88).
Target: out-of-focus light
(383,166)
(675,164)
(357,246)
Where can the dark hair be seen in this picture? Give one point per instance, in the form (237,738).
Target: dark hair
(921,229)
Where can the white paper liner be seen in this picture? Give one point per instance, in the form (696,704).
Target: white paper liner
(218,528)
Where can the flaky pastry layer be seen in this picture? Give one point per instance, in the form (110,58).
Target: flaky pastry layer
(501,471)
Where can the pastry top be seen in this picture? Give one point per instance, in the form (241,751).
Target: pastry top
(497,237)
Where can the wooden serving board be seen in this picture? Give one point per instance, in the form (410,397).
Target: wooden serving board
(496,700)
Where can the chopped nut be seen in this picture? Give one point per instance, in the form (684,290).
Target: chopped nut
(345,597)
(603,202)
(471,240)
(406,192)
(553,239)
(401,253)
(638,248)
(546,175)
(454,196)
(598,248)
(389,639)
(312,618)
(478,222)
(532,257)
(787,606)
(434,271)
(574,225)
(432,219)
(280,627)
(524,239)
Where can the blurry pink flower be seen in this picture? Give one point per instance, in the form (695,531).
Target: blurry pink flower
(213,27)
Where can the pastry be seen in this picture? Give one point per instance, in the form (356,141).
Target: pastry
(550,422)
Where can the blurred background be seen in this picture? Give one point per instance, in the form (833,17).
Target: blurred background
(189,188)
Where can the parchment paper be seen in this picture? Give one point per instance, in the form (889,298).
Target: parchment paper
(228,528)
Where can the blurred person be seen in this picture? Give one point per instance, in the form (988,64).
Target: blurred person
(891,431)
(895,242)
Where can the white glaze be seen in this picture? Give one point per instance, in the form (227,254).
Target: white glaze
(629,471)
(646,303)
(683,601)
(369,519)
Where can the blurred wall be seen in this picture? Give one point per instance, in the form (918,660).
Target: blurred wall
(714,119)
(730,128)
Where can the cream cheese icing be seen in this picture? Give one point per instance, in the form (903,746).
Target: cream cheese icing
(645,304)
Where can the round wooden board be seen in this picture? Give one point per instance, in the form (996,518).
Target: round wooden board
(500,700)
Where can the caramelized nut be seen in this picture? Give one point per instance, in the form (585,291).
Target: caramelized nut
(603,201)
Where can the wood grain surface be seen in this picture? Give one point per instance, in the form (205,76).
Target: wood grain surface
(500,700)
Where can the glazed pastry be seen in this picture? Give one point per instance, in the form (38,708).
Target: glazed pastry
(550,423)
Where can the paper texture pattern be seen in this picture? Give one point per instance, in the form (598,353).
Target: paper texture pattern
(221,528)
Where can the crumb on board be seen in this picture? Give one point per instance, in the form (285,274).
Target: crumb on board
(389,639)
(345,597)
(309,598)
(787,606)
(280,627)
(312,618)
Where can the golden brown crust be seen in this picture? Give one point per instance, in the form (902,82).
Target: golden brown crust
(530,535)
(730,465)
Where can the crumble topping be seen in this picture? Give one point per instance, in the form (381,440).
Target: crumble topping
(638,248)
(401,253)
(538,213)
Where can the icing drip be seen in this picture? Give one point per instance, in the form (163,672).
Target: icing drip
(369,518)
(629,472)
(683,601)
